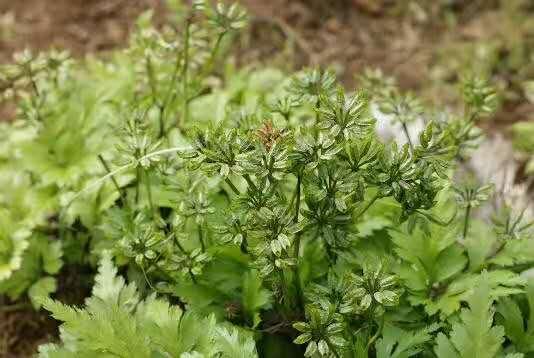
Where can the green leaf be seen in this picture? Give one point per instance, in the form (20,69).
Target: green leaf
(52,254)
(255,297)
(474,334)
(399,343)
(41,289)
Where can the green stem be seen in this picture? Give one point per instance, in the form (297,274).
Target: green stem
(137,183)
(177,243)
(297,191)
(405,130)
(232,186)
(367,206)
(466,221)
(244,244)
(376,335)
(436,220)
(298,285)
(185,70)
(149,193)
(201,238)
(161,121)
(192,276)
(283,286)
(250,182)
(113,180)
(211,62)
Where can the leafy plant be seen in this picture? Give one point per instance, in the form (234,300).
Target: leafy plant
(234,212)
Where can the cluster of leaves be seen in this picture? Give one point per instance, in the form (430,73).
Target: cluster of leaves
(249,209)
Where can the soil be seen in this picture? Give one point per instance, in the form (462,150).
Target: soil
(81,26)
(348,34)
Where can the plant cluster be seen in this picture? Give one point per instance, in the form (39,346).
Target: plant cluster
(243,213)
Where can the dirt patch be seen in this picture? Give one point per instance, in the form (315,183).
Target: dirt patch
(23,330)
(80,26)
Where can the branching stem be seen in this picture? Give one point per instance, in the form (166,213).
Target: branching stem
(115,183)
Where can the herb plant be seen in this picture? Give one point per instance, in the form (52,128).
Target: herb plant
(243,213)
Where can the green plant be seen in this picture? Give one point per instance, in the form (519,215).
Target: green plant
(234,212)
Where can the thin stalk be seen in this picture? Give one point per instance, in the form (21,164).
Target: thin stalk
(244,244)
(367,206)
(178,245)
(115,183)
(37,93)
(466,221)
(283,285)
(137,183)
(405,130)
(232,186)
(185,70)
(250,182)
(192,276)
(201,238)
(161,121)
(181,248)
(436,220)
(298,285)
(297,191)
(214,52)
(96,183)
(376,335)
(149,193)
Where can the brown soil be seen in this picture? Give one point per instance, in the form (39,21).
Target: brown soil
(80,26)
(22,331)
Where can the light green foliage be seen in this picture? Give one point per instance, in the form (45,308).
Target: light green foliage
(236,211)
(518,326)
(398,343)
(474,334)
(115,322)
(255,297)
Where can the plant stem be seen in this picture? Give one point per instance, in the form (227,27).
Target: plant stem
(244,244)
(232,186)
(367,206)
(137,183)
(201,238)
(283,285)
(149,193)
(192,276)
(297,191)
(177,243)
(298,285)
(211,62)
(466,221)
(115,183)
(185,70)
(161,121)
(376,335)
(250,182)
(405,130)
